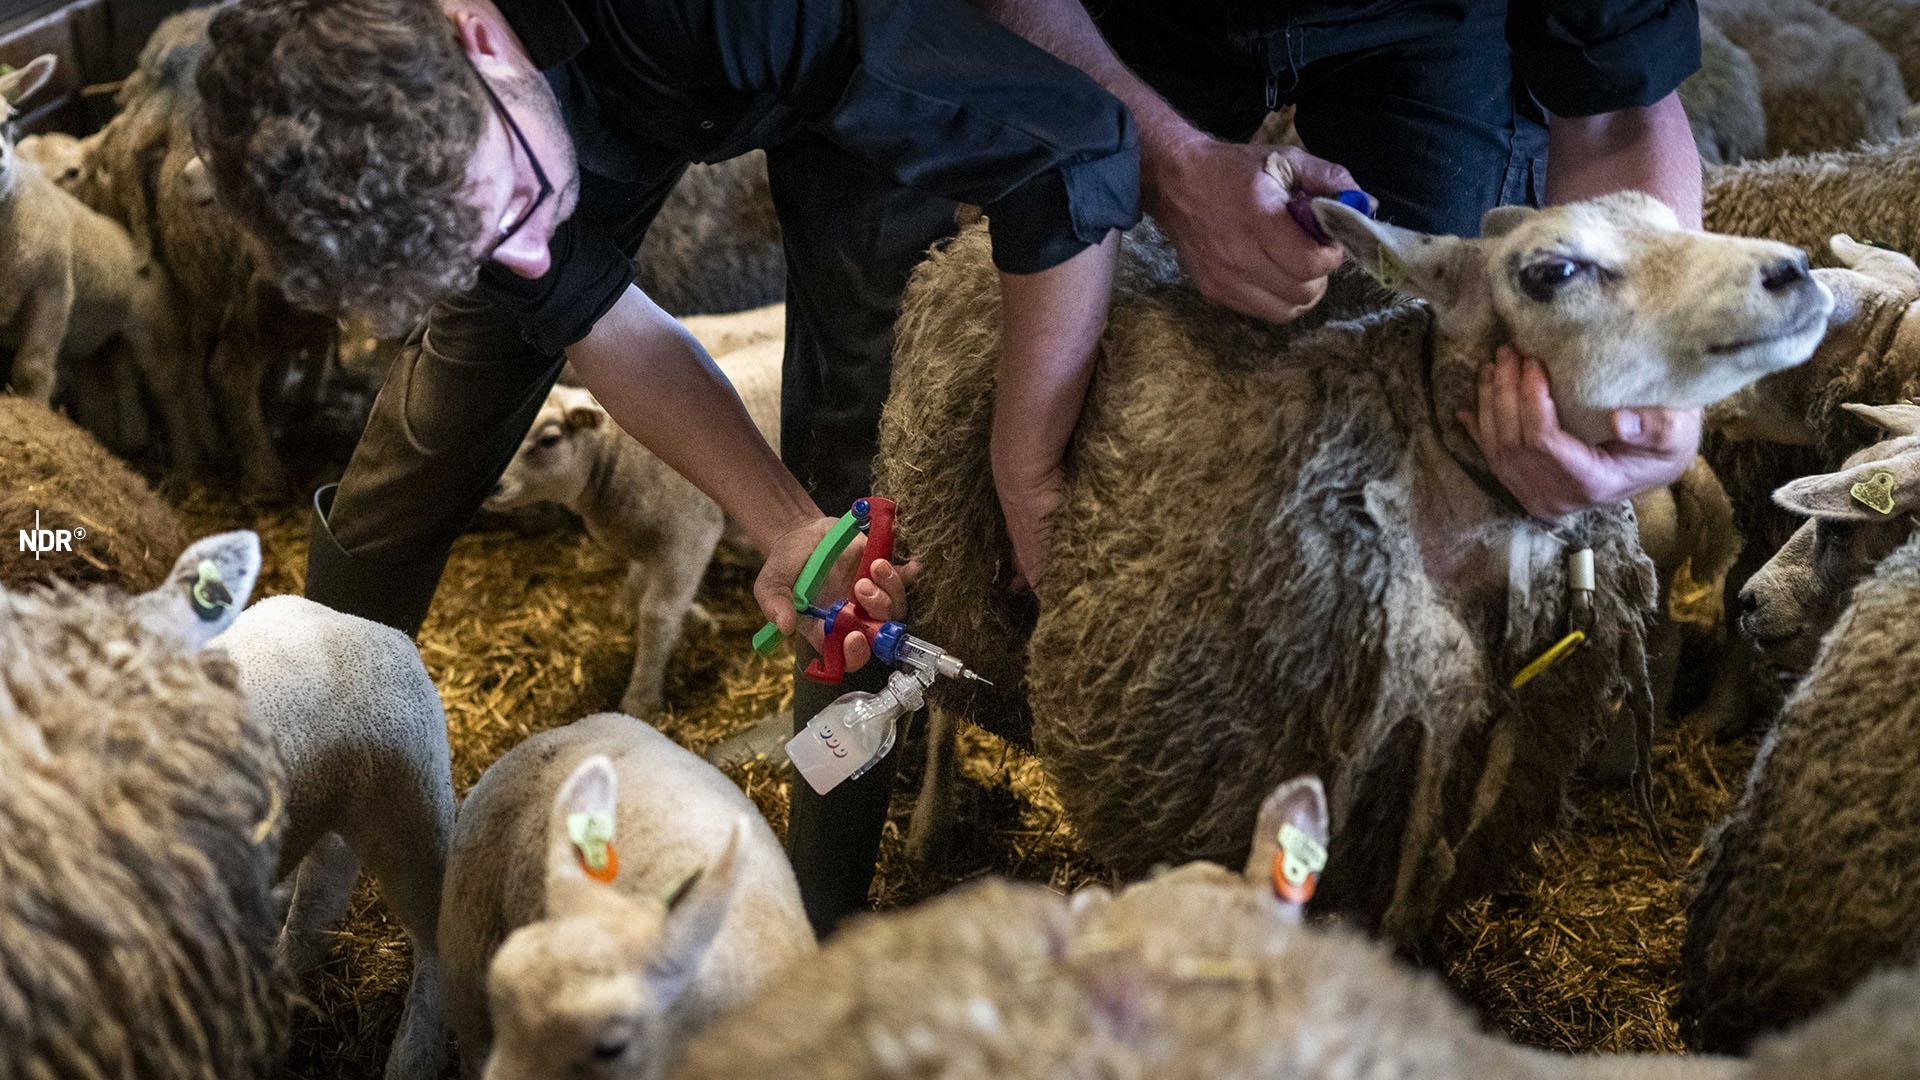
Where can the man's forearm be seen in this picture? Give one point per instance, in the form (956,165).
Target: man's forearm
(1648,150)
(660,386)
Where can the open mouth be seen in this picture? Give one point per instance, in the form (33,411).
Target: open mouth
(1808,320)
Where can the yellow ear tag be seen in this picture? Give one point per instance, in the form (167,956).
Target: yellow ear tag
(1297,865)
(1875,493)
(592,838)
(1547,659)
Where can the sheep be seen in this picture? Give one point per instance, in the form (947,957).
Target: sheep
(139,826)
(1824,84)
(607,893)
(1894,24)
(74,283)
(715,244)
(635,506)
(723,334)
(145,173)
(365,742)
(1813,881)
(54,473)
(1866,192)
(1277,550)
(1722,100)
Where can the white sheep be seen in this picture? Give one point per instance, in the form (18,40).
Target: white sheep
(73,283)
(365,741)
(1182,662)
(635,506)
(140,821)
(608,893)
(1825,85)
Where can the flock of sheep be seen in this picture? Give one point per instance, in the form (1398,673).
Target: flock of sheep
(1286,600)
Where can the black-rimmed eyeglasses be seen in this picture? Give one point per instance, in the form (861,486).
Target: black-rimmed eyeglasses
(540,174)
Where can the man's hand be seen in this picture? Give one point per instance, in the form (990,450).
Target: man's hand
(1554,474)
(1227,218)
(884,596)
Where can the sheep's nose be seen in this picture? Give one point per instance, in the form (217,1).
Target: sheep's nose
(1749,602)
(1784,274)
(498,487)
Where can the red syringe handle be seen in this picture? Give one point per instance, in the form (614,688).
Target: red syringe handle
(851,618)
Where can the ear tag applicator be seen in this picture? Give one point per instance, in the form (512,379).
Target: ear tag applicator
(208,594)
(592,838)
(1580,586)
(1297,865)
(1875,493)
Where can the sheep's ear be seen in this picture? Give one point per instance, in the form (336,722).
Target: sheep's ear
(196,182)
(1290,842)
(584,417)
(1872,491)
(1884,265)
(205,590)
(1400,259)
(1900,419)
(1502,220)
(18,86)
(696,911)
(580,841)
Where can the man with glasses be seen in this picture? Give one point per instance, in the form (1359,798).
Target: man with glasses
(382,150)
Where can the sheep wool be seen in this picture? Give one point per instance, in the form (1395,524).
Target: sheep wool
(715,245)
(1824,84)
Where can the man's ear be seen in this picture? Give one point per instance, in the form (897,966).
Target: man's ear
(1402,259)
(18,86)
(1872,491)
(1896,420)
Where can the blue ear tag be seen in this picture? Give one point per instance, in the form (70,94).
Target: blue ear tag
(208,594)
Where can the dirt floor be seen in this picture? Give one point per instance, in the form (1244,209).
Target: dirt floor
(1577,953)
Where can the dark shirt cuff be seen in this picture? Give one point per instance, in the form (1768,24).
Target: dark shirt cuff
(1587,59)
(588,274)
(1058,214)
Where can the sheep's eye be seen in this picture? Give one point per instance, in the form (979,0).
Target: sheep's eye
(609,1050)
(548,441)
(1539,280)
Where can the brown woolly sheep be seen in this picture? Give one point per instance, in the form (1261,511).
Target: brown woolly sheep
(1278,552)
(1824,84)
(1813,881)
(1867,192)
(715,245)
(1895,24)
(139,827)
(1722,100)
(52,471)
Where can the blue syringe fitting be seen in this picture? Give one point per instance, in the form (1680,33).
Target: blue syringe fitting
(1300,206)
(894,647)
(862,513)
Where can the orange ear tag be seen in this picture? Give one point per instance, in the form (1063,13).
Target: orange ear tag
(592,838)
(1297,865)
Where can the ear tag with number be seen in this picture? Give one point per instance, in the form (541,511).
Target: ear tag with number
(209,595)
(1297,865)
(1875,493)
(592,838)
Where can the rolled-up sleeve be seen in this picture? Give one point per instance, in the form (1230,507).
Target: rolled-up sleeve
(944,100)
(1595,56)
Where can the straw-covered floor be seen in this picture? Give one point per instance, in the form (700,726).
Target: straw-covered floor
(1579,953)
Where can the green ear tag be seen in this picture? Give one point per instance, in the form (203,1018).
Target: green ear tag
(209,593)
(591,834)
(1387,269)
(1303,855)
(1875,492)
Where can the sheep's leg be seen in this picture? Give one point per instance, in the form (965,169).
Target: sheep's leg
(322,886)
(235,372)
(130,412)
(406,852)
(1621,754)
(664,596)
(1731,704)
(154,340)
(930,829)
(36,362)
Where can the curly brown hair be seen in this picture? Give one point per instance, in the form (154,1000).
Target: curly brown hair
(339,131)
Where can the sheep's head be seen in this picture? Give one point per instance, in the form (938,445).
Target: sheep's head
(205,590)
(1857,517)
(1622,306)
(589,990)
(15,87)
(556,458)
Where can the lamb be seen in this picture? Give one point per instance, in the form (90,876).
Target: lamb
(1824,84)
(55,473)
(1184,658)
(139,826)
(74,283)
(635,506)
(608,893)
(1722,100)
(715,245)
(1813,881)
(1190,974)
(365,742)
